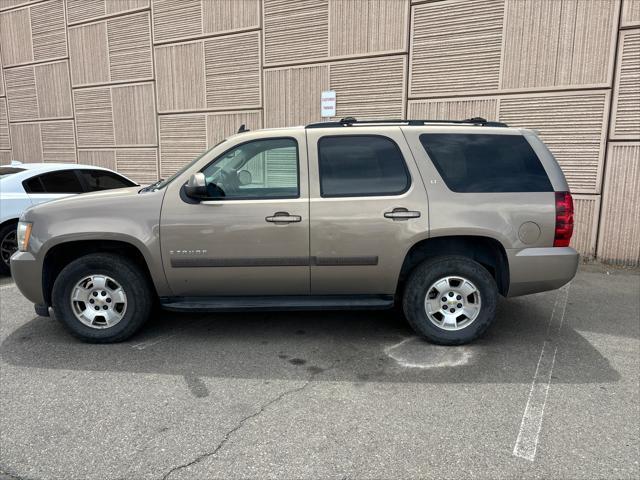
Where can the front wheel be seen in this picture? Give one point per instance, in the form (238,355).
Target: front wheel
(102,298)
(8,246)
(450,300)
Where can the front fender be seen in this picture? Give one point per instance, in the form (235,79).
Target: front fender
(126,217)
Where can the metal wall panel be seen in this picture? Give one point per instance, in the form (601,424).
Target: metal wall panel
(215,74)
(625,124)
(295,32)
(79,11)
(2,93)
(455,47)
(179,20)
(630,13)
(99,158)
(371,88)
(5,157)
(232,71)
(121,115)
(585,228)
(368,88)
(291,94)
(5,138)
(89,54)
(558,43)
(139,164)
(51,141)
(8,4)
(40,91)
(572,124)
(34,33)
(454,109)
(113,50)
(180,77)
(620,223)
(351,24)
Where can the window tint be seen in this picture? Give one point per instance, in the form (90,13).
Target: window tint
(64,181)
(33,185)
(258,169)
(361,165)
(101,180)
(486,163)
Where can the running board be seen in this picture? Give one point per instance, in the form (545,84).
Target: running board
(277,303)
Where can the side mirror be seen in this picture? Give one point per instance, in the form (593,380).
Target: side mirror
(196,187)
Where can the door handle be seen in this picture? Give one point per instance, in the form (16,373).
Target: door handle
(283,217)
(398,214)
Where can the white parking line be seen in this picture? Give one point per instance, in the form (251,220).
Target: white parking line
(10,285)
(531,425)
(527,441)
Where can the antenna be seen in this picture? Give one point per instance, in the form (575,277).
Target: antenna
(243,128)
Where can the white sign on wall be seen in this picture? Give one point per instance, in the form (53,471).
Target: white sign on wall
(328,104)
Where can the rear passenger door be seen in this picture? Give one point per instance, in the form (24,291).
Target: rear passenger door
(368,206)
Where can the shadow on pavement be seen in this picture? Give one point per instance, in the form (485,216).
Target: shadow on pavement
(336,346)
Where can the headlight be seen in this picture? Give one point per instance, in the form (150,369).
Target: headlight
(24,234)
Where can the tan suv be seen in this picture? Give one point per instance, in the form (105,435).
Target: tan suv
(440,216)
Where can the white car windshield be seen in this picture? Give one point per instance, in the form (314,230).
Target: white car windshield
(6,171)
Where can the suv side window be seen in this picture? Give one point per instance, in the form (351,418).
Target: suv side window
(96,180)
(486,163)
(62,181)
(361,166)
(258,169)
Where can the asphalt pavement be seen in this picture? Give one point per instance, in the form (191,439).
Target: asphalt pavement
(550,391)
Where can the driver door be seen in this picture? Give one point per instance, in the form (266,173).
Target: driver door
(252,236)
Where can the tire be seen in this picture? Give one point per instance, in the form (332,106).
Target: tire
(94,278)
(473,303)
(8,246)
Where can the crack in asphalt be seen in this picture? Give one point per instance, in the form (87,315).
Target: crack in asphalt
(240,424)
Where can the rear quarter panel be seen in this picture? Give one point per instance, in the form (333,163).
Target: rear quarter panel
(494,215)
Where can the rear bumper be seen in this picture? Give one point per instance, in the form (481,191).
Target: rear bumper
(27,273)
(534,270)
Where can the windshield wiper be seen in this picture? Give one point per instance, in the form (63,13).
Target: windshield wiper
(148,188)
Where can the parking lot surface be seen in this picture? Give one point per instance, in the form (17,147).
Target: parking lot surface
(550,391)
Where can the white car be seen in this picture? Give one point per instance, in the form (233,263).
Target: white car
(25,184)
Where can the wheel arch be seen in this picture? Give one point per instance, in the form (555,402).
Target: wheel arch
(487,251)
(9,222)
(61,254)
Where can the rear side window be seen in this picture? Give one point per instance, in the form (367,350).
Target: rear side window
(486,163)
(101,180)
(64,181)
(360,166)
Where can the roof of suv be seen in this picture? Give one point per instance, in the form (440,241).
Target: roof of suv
(466,126)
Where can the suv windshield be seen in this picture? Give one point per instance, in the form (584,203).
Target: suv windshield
(6,171)
(164,182)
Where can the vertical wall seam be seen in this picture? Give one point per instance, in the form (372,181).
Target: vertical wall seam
(608,130)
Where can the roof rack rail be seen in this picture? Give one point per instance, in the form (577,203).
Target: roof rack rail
(350,121)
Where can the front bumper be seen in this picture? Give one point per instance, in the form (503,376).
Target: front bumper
(534,270)
(27,273)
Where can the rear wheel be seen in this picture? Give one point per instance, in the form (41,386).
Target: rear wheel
(102,298)
(450,300)
(8,246)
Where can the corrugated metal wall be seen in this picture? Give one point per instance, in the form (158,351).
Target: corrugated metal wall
(145,85)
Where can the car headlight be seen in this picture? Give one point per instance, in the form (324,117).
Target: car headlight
(24,235)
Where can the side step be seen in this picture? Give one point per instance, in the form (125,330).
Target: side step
(277,303)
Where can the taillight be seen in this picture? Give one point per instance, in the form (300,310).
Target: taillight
(564,219)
